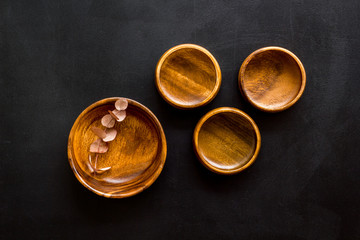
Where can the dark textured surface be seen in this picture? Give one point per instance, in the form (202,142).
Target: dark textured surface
(58,57)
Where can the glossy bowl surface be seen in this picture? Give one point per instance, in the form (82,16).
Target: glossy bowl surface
(188,76)
(272,79)
(226,140)
(136,156)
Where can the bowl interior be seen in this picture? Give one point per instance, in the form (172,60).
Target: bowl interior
(187,77)
(227,141)
(134,155)
(272,79)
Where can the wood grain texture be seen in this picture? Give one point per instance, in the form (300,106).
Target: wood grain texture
(226,140)
(272,79)
(188,76)
(136,156)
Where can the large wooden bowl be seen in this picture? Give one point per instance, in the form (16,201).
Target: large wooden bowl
(188,76)
(272,79)
(226,140)
(136,156)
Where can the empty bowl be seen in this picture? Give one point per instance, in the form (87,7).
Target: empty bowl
(188,76)
(272,79)
(226,140)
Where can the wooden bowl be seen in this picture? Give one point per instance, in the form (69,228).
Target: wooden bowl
(226,140)
(188,76)
(272,79)
(136,156)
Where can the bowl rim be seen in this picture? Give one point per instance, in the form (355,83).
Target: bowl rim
(165,96)
(149,181)
(196,140)
(242,73)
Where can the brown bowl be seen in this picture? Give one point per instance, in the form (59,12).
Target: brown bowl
(136,156)
(226,140)
(188,76)
(272,79)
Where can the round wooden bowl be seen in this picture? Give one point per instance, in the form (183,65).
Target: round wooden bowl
(136,156)
(226,140)
(272,79)
(188,76)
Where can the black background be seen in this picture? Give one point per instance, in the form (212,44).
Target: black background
(58,57)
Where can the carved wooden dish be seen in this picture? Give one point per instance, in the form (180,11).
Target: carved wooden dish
(272,79)
(136,156)
(188,76)
(226,140)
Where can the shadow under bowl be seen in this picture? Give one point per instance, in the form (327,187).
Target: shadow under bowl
(188,76)
(226,140)
(136,156)
(272,79)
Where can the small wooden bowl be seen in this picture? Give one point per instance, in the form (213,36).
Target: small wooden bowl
(136,156)
(226,140)
(188,76)
(272,79)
